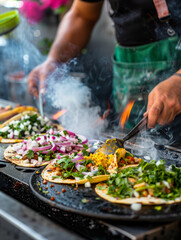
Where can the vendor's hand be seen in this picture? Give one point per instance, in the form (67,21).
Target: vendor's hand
(164,102)
(38,76)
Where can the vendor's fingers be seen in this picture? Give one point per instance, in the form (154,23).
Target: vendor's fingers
(154,113)
(42,83)
(145,114)
(32,84)
(151,98)
(165,115)
(169,112)
(171,118)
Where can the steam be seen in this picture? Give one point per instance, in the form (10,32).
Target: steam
(66,92)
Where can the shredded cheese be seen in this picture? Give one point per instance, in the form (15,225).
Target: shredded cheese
(101,159)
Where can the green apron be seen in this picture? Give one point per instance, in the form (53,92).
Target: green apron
(137,70)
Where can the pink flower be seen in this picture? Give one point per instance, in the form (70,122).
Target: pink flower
(54,4)
(32,11)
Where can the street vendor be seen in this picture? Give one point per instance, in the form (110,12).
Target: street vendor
(147,54)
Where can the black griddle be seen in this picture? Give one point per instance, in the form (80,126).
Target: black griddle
(71,201)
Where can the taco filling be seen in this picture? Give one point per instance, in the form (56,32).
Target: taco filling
(41,149)
(148,183)
(80,167)
(25,125)
(75,168)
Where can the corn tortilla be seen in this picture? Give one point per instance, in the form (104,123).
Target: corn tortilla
(17,117)
(10,155)
(143,200)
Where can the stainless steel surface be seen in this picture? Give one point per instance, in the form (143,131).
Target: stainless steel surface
(20,222)
(166,231)
(4,103)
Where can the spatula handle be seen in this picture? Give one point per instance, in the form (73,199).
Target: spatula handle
(138,128)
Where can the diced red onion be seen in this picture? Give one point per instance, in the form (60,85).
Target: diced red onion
(45,152)
(78,166)
(77,159)
(53,161)
(70,133)
(62,143)
(83,139)
(37,149)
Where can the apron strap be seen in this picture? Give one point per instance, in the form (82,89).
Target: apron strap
(164,15)
(162,9)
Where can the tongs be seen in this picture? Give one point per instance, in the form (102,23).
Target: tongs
(111,145)
(41,103)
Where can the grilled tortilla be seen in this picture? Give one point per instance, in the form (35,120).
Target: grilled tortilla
(149,184)
(122,159)
(4,116)
(102,190)
(18,117)
(50,172)
(104,165)
(11,155)
(41,149)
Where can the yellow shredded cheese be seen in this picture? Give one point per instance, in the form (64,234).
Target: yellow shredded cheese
(100,159)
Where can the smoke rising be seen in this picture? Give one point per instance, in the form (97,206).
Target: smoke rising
(66,92)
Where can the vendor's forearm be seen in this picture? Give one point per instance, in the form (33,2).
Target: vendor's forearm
(73,35)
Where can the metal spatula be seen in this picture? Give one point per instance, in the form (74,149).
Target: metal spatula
(111,145)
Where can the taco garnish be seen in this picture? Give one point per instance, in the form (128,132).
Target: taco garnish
(122,159)
(83,167)
(148,183)
(41,149)
(24,125)
(73,168)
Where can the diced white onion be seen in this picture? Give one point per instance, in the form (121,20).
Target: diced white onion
(87,184)
(136,206)
(136,194)
(158,163)
(166,184)
(4,129)
(26,161)
(77,178)
(16,132)
(147,158)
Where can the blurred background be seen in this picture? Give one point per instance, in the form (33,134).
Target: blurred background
(27,45)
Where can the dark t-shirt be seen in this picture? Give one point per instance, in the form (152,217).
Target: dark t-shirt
(136,21)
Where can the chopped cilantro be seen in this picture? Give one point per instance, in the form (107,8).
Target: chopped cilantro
(85,153)
(45,192)
(101,187)
(84,200)
(158,208)
(30,154)
(158,181)
(85,146)
(53,177)
(65,132)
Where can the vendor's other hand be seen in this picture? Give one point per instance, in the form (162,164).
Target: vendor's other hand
(164,102)
(38,76)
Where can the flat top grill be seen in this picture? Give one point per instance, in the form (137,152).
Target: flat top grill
(14,181)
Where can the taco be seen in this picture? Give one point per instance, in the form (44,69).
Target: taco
(73,169)
(84,167)
(122,159)
(24,125)
(9,112)
(40,150)
(149,184)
